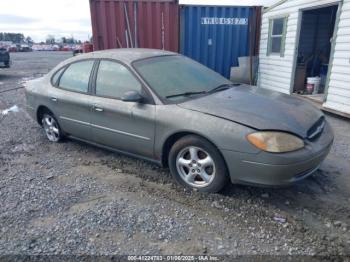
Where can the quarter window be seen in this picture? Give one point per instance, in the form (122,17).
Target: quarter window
(114,79)
(277,34)
(76,77)
(57,75)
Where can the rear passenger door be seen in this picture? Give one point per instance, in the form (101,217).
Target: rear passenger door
(127,126)
(71,99)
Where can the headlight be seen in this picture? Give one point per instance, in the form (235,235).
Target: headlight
(275,142)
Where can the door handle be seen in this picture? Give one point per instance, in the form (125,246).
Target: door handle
(54,99)
(97,108)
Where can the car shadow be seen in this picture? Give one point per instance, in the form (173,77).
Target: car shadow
(322,182)
(317,195)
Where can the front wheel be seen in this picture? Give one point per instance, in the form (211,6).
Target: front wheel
(52,129)
(197,164)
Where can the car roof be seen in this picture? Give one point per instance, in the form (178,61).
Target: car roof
(125,55)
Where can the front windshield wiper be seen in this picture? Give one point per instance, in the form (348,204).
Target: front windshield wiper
(222,87)
(187,94)
(216,89)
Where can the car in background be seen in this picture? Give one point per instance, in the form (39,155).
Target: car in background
(169,109)
(77,51)
(4,58)
(25,48)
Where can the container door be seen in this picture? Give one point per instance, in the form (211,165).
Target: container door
(215,36)
(141,24)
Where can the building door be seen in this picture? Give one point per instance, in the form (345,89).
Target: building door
(313,54)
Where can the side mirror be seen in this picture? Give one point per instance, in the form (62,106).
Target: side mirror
(132,96)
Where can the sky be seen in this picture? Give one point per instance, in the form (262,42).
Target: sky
(39,18)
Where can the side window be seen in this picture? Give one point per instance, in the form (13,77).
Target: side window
(114,79)
(277,35)
(76,77)
(57,75)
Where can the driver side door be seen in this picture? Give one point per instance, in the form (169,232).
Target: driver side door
(125,126)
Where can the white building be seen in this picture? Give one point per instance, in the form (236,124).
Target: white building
(307,38)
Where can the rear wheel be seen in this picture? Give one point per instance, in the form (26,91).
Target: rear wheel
(52,129)
(197,164)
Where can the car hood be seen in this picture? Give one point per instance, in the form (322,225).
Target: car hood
(259,108)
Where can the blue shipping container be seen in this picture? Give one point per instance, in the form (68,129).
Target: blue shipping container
(215,35)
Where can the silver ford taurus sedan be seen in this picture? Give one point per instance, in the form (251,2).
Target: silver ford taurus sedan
(166,108)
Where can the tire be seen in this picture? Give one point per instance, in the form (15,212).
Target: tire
(197,164)
(51,127)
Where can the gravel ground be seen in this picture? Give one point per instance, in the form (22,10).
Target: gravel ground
(72,198)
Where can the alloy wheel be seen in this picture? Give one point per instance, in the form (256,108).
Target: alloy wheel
(51,128)
(195,166)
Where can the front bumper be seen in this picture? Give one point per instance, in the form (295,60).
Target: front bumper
(271,169)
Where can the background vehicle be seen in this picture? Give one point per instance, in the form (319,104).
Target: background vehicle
(4,58)
(166,108)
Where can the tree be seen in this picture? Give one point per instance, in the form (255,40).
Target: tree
(29,40)
(70,40)
(13,37)
(50,40)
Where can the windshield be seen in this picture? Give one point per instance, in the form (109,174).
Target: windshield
(172,75)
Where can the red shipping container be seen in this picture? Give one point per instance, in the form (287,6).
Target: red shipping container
(141,23)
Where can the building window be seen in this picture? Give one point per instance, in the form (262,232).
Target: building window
(277,36)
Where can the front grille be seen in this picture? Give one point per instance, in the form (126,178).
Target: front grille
(316,129)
